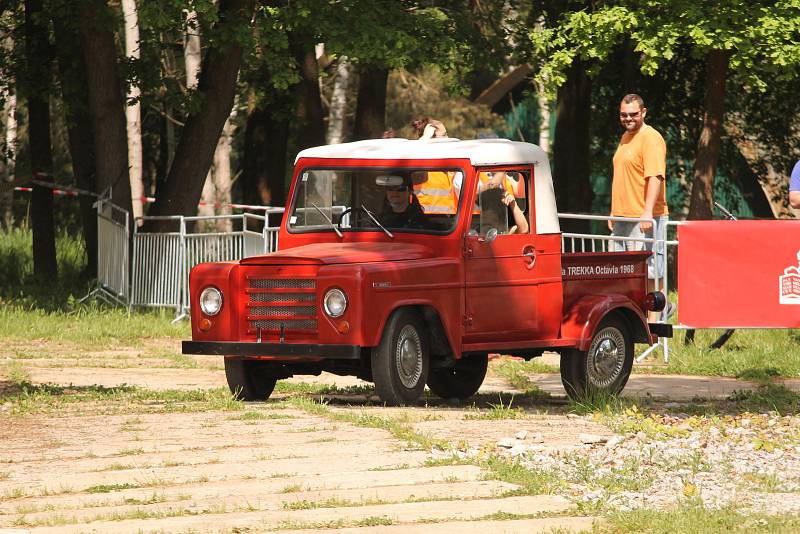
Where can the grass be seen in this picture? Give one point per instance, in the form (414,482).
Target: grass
(500,410)
(48,399)
(748,353)
(531,481)
(396,426)
(691,518)
(372,521)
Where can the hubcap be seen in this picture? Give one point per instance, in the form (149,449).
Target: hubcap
(408,355)
(606,357)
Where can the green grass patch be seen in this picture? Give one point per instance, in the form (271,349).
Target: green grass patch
(309,388)
(532,481)
(768,397)
(16,373)
(517,373)
(398,427)
(748,354)
(692,518)
(90,327)
(372,521)
(108,488)
(48,399)
(500,410)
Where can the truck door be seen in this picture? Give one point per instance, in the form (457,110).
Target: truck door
(500,260)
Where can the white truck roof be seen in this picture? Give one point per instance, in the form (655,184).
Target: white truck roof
(480,152)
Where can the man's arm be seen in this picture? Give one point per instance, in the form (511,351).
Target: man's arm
(519,217)
(794,199)
(654,184)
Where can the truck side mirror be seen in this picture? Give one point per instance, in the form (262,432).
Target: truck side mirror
(490,236)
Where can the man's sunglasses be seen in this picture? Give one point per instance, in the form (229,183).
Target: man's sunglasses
(631,115)
(396,188)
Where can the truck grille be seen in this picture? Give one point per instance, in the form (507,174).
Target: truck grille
(284,305)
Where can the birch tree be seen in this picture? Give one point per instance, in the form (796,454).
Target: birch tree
(133,116)
(338,108)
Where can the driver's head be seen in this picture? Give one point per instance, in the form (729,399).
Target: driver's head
(398,196)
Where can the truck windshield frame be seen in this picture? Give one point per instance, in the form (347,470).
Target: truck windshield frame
(335,199)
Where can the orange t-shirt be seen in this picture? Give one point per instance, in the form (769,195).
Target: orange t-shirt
(638,156)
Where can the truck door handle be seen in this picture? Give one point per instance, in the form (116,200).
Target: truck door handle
(529,252)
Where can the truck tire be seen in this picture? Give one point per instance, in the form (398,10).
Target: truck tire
(400,361)
(604,368)
(250,380)
(461,380)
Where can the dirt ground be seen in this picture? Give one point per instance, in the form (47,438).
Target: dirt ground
(273,466)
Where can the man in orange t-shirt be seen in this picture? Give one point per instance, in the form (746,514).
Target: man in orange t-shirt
(638,189)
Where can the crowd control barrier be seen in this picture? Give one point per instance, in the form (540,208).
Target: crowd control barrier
(113,232)
(156,272)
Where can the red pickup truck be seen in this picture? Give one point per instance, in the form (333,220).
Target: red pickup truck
(406,263)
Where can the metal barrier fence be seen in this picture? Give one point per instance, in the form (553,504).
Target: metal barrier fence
(157,274)
(113,231)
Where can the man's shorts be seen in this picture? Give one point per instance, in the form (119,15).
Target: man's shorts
(657,261)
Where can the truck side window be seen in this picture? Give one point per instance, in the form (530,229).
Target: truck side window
(501,203)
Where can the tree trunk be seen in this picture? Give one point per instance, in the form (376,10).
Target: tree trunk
(264,158)
(37,52)
(370,120)
(192,50)
(312,127)
(10,123)
(217,86)
(106,102)
(75,93)
(338,110)
(191,60)
(705,165)
(544,121)
(222,175)
(571,161)
(133,115)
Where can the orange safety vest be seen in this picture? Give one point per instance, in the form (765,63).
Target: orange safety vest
(437,194)
(508,185)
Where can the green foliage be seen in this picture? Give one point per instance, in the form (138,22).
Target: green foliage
(762,37)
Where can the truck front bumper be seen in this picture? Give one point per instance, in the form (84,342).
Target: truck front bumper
(236,348)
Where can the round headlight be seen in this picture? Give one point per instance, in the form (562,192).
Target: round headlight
(335,303)
(211,301)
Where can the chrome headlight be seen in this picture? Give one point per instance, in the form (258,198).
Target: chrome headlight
(211,300)
(335,303)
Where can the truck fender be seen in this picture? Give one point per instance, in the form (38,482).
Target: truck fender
(582,318)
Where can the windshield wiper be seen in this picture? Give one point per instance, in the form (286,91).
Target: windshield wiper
(328,219)
(371,216)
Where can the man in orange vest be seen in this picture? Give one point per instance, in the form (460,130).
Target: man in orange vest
(439,192)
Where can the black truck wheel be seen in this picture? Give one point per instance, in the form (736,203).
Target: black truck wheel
(461,380)
(604,368)
(400,361)
(250,380)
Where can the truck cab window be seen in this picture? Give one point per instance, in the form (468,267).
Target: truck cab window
(401,199)
(501,203)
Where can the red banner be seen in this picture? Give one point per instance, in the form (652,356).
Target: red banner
(739,274)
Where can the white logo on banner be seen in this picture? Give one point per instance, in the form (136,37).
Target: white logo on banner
(789,284)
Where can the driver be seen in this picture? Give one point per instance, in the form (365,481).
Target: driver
(401,209)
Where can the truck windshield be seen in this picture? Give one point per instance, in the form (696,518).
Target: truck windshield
(418,200)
